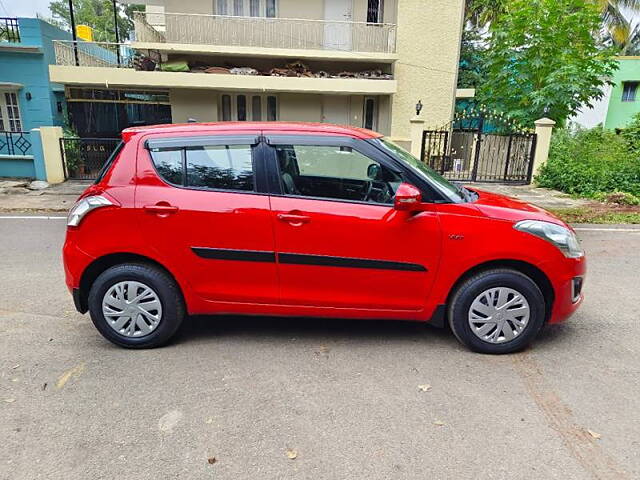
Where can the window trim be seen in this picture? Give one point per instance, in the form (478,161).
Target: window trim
(178,144)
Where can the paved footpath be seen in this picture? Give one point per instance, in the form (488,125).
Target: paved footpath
(233,398)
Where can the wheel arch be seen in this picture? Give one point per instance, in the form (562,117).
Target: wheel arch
(100,264)
(528,269)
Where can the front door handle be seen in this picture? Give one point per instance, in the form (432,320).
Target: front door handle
(293,218)
(160,208)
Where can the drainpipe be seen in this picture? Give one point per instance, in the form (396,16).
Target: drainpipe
(115,23)
(73,33)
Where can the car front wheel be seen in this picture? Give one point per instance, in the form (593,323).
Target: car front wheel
(497,311)
(136,305)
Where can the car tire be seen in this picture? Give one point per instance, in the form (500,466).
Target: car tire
(487,316)
(158,314)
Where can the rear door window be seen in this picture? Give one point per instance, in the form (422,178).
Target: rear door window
(215,167)
(225,167)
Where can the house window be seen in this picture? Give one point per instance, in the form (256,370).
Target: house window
(374,11)
(10,112)
(240,107)
(370,114)
(629,91)
(246,8)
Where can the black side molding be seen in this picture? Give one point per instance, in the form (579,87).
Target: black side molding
(325,261)
(304,259)
(237,255)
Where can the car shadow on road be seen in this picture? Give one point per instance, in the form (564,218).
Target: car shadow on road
(199,328)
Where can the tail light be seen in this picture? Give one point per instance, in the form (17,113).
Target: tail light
(86,205)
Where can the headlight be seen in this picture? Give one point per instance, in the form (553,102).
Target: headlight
(561,237)
(84,206)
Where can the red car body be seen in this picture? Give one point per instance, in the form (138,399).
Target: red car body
(290,238)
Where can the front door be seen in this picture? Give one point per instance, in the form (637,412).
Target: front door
(335,109)
(337,32)
(339,241)
(201,211)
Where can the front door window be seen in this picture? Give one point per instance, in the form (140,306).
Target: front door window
(336,172)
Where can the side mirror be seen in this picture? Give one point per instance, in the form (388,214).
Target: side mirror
(407,197)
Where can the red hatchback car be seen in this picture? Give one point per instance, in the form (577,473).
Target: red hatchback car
(308,220)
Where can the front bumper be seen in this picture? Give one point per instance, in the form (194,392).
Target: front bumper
(567,278)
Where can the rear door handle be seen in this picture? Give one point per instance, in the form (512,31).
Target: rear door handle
(161,208)
(293,219)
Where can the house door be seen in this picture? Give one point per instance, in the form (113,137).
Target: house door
(335,109)
(337,36)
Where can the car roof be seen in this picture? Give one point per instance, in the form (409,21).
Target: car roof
(288,128)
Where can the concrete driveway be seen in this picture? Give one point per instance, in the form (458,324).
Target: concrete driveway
(235,398)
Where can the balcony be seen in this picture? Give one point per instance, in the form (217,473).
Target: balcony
(9,30)
(121,65)
(337,37)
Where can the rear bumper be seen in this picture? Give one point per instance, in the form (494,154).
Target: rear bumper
(568,296)
(77,301)
(75,263)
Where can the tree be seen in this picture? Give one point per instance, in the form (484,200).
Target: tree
(615,26)
(544,60)
(98,14)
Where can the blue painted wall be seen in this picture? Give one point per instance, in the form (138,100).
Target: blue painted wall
(27,63)
(31,70)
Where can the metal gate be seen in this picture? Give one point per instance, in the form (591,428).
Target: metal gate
(477,149)
(83,158)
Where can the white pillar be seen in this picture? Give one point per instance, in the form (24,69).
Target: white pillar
(544,129)
(417,127)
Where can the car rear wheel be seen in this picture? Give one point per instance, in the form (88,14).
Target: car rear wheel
(497,311)
(136,305)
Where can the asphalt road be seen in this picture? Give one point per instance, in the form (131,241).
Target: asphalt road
(342,394)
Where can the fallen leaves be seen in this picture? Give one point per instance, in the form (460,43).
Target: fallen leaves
(439,423)
(292,454)
(595,435)
(72,372)
(211,460)
(209,420)
(424,388)
(9,400)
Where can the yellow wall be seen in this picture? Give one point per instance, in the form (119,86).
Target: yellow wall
(201,105)
(428,52)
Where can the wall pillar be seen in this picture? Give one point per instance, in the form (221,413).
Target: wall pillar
(47,158)
(544,129)
(417,127)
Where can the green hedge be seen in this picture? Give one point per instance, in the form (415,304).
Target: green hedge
(590,163)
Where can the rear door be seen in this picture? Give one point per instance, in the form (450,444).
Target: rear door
(203,211)
(340,243)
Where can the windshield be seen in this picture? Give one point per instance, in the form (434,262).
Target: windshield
(444,186)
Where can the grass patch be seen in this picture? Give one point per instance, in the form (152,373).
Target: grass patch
(599,214)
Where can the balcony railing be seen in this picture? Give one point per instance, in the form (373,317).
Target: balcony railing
(15,143)
(289,33)
(102,54)
(9,30)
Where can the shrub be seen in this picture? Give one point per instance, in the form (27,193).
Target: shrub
(590,162)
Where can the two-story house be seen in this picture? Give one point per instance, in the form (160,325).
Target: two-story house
(27,97)
(358,62)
